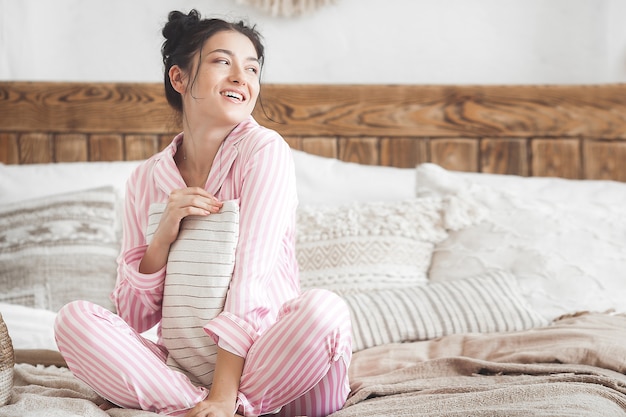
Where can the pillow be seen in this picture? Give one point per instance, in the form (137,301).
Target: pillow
(32,329)
(324,181)
(481,304)
(60,248)
(562,239)
(29,328)
(28,181)
(199,269)
(374,245)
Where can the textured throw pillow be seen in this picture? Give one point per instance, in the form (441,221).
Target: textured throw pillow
(487,303)
(562,239)
(374,245)
(199,269)
(59,248)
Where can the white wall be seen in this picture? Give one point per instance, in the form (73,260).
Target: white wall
(616,39)
(353,41)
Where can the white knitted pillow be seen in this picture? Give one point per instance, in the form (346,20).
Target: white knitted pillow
(491,302)
(375,245)
(199,270)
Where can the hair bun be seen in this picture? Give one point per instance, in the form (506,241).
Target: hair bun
(176,28)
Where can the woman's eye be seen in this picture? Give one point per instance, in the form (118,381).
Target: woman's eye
(253,70)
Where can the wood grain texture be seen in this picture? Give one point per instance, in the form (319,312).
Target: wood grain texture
(547,130)
(140,146)
(316,145)
(9,148)
(604,160)
(71,147)
(404,152)
(556,158)
(447,111)
(460,154)
(84,107)
(106,147)
(35,148)
(504,156)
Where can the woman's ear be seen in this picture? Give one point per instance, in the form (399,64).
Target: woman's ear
(177,79)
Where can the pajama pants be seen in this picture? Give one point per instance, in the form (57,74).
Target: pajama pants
(287,369)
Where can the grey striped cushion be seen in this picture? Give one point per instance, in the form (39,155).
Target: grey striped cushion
(199,269)
(488,303)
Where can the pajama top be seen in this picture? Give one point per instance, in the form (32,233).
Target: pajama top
(253,165)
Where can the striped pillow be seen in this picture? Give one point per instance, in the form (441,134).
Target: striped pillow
(488,303)
(199,269)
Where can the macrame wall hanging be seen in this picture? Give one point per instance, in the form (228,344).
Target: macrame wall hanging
(287,8)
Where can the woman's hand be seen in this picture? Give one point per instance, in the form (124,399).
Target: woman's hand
(222,396)
(209,408)
(190,201)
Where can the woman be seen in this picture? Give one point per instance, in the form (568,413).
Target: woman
(278,350)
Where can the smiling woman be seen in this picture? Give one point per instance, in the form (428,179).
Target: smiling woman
(246,343)
(218,89)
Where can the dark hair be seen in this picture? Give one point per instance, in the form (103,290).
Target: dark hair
(185,35)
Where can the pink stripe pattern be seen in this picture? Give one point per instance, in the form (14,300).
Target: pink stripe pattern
(297,346)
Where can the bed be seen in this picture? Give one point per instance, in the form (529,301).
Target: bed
(476,232)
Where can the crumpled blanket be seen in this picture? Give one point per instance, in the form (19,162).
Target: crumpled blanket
(575,367)
(50,391)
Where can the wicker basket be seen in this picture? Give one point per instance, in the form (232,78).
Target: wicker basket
(7,361)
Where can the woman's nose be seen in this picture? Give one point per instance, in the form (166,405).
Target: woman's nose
(237,75)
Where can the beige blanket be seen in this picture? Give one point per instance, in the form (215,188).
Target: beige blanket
(50,391)
(573,368)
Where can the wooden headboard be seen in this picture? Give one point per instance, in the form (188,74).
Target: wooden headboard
(541,130)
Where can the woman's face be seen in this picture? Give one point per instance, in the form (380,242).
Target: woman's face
(227,84)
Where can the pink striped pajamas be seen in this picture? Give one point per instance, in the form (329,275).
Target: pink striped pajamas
(297,346)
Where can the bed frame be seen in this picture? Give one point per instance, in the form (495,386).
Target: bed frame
(536,130)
